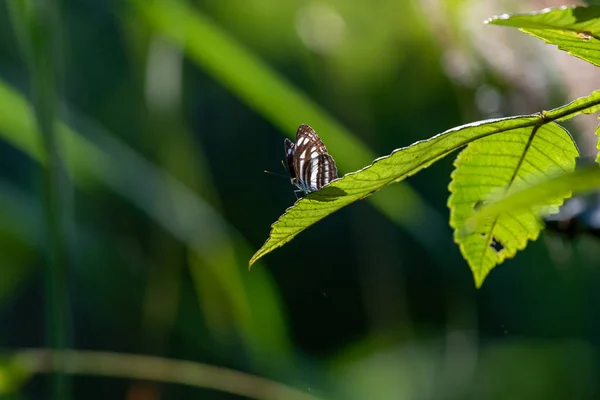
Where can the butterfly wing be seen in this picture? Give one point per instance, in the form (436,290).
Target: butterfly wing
(314,167)
(321,171)
(289,156)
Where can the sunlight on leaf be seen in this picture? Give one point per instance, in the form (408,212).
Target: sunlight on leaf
(573,29)
(399,165)
(505,162)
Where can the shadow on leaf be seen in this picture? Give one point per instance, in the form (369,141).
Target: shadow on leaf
(328,193)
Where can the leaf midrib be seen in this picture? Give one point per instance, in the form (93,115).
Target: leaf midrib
(510,182)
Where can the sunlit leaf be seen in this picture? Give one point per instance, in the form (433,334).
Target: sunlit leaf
(400,164)
(505,162)
(573,29)
(580,181)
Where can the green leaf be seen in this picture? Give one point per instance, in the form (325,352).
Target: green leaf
(561,185)
(400,164)
(573,29)
(505,162)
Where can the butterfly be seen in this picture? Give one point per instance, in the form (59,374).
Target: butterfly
(309,164)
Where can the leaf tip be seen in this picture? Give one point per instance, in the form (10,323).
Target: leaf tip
(254,258)
(478,278)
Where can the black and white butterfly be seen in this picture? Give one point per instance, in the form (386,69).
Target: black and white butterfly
(309,164)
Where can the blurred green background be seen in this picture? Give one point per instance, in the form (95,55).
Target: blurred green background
(134,135)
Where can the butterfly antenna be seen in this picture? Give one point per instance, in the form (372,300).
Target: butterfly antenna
(273,173)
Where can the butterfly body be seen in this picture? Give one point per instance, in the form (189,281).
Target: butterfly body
(309,164)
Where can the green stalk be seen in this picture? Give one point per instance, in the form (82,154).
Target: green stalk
(36,23)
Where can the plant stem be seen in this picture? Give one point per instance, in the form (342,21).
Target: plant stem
(41,20)
(158,369)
